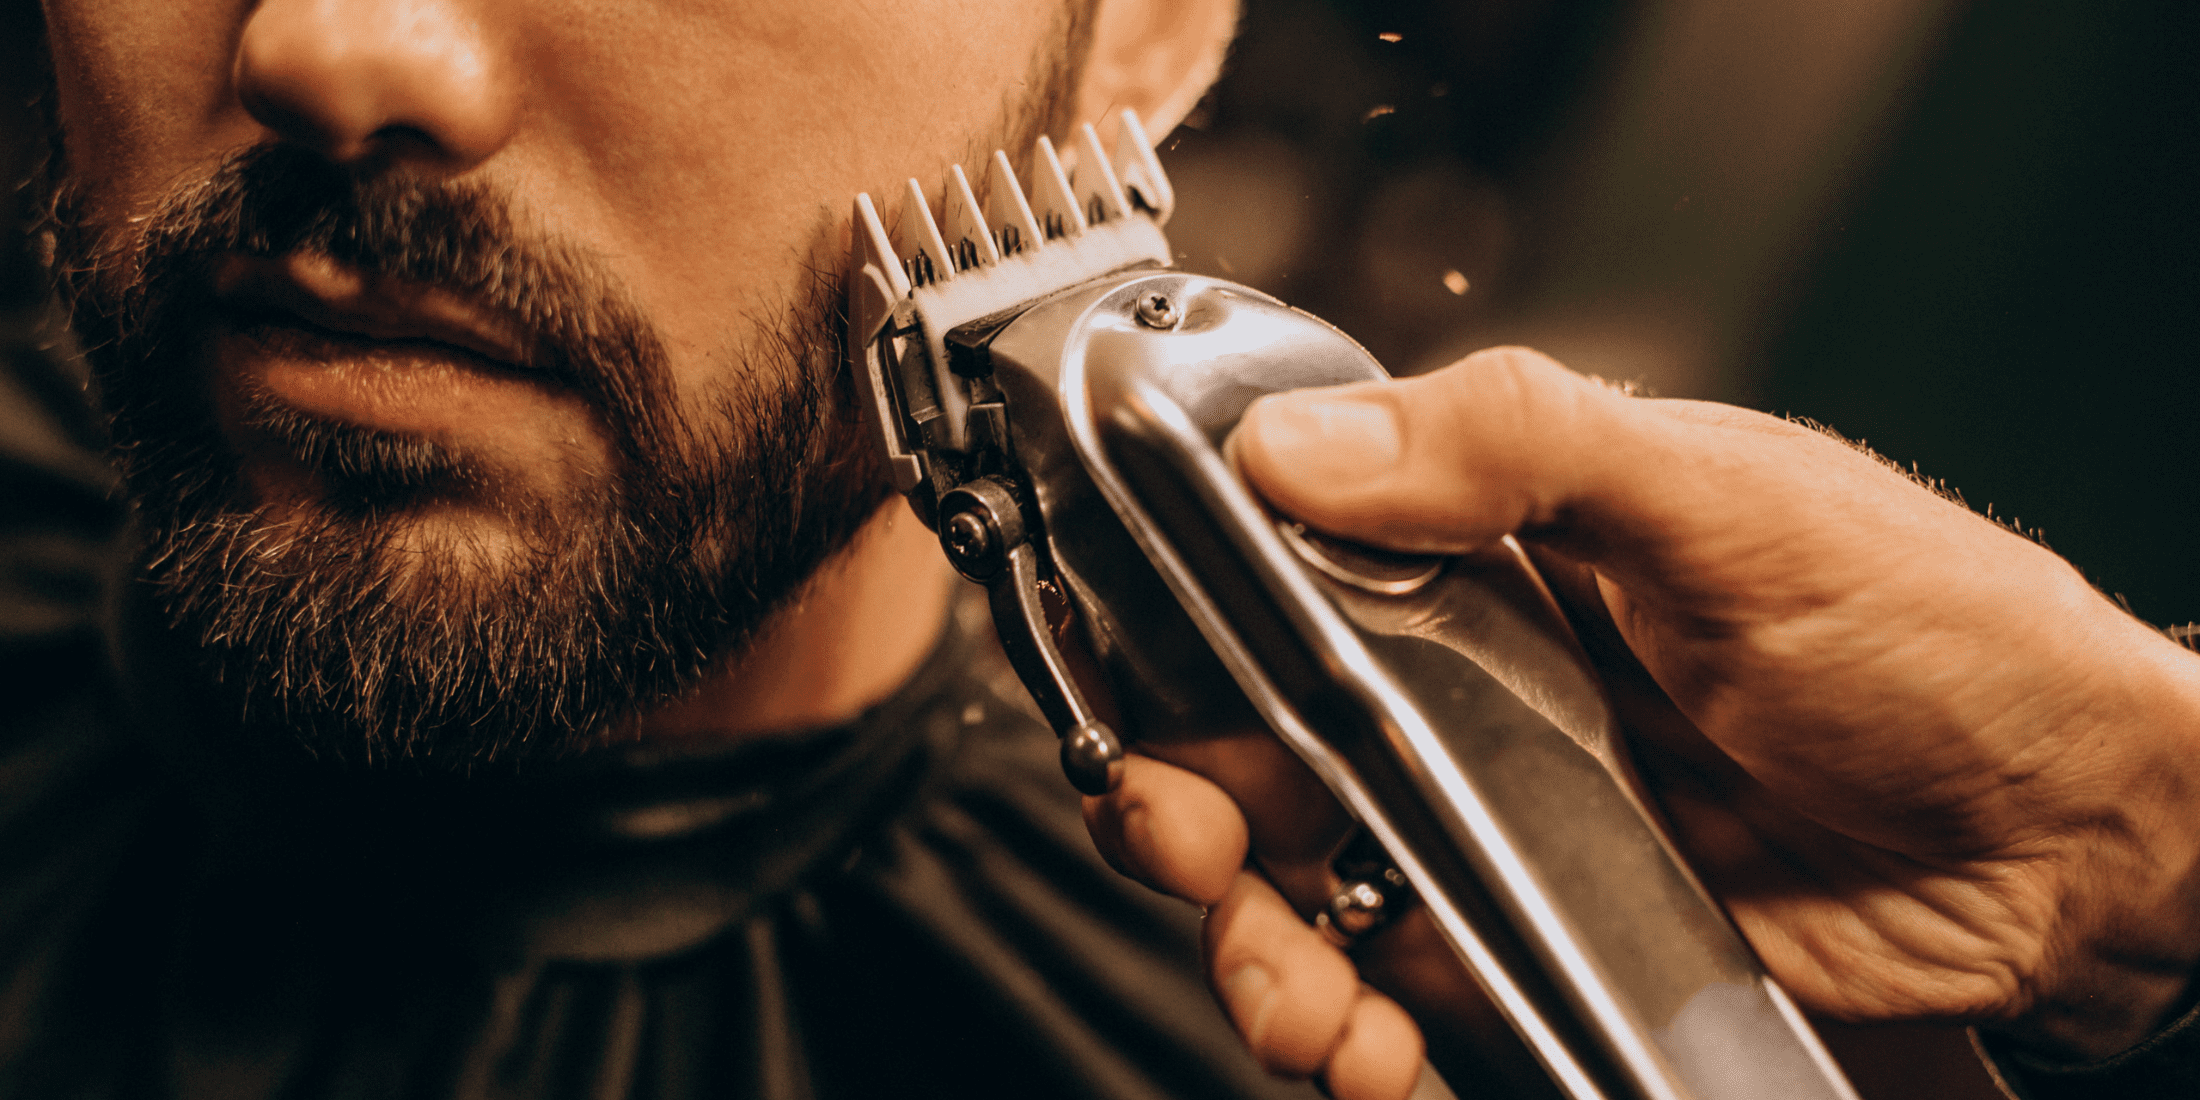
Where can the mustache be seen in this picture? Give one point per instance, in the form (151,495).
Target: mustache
(144,281)
(334,621)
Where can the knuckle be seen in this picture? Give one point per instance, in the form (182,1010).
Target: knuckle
(1499,439)
(1379,1057)
(1515,359)
(1517,371)
(1322,988)
(1183,834)
(1504,396)
(1291,996)
(1220,935)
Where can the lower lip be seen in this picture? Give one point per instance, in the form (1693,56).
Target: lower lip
(405,387)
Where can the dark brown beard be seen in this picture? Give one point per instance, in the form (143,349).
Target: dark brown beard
(315,624)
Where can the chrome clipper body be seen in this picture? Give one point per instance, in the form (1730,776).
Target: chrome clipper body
(1053,400)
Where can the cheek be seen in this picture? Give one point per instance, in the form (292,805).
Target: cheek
(706,152)
(715,151)
(144,93)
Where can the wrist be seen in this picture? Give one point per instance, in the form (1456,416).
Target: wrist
(2123,956)
(2103,1009)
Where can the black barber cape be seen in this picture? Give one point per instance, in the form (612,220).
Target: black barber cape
(907,906)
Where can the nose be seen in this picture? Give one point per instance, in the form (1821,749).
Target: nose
(363,81)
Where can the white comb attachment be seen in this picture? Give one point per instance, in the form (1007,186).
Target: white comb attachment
(1011,248)
(1061,205)
(917,241)
(1099,197)
(1051,197)
(1139,171)
(1014,226)
(969,242)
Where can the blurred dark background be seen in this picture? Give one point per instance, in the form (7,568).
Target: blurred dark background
(1962,232)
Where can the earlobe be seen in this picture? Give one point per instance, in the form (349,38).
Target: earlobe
(1156,57)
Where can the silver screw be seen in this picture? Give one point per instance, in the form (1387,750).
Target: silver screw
(1157,311)
(969,540)
(1356,908)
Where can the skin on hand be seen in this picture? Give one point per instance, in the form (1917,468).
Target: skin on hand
(1296,1000)
(1932,774)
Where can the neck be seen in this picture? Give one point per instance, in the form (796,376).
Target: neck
(857,632)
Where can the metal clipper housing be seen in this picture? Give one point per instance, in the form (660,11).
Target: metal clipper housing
(1054,402)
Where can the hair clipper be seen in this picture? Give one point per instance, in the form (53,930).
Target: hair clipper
(1053,400)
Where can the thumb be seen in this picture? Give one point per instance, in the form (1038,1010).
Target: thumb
(1504,441)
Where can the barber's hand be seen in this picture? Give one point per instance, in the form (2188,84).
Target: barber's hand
(1938,776)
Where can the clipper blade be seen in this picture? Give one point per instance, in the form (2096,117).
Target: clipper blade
(908,288)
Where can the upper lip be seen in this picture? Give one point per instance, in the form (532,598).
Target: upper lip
(332,296)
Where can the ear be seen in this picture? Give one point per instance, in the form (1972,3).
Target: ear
(1156,57)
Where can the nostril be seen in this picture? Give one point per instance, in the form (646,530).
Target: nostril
(403,141)
(378,81)
(299,121)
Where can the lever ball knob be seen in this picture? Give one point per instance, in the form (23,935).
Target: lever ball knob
(1092,757)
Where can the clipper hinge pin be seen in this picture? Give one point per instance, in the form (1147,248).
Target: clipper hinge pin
(970,543)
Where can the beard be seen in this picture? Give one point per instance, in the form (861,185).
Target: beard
(344,622)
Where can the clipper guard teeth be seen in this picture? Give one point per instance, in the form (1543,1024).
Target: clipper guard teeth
(1139,171)
(969,242)
(1061,205)
(917,241)
(1051,197)
(1099,196)
(1009,214)
(907,288)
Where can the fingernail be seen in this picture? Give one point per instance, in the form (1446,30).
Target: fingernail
(1332,440)
(1250,994)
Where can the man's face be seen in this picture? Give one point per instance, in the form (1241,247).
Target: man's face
(472,361)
